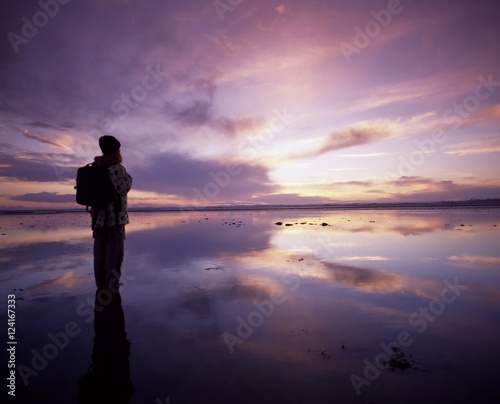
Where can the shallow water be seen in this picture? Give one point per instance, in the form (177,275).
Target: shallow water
(374,306)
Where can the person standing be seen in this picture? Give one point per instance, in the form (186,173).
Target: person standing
(108,222)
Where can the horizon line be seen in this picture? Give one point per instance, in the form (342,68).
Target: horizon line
(491,202)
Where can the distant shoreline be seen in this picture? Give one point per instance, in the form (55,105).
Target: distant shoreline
(470,204)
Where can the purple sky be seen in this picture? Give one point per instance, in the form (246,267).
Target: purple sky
(259,101)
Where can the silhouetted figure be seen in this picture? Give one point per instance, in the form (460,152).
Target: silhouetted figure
(108,223)
(108,377)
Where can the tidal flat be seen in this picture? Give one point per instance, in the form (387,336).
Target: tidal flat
(277,306)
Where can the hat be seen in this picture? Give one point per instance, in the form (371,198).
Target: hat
(108,144)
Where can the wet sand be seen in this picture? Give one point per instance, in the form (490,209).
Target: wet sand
(347,306)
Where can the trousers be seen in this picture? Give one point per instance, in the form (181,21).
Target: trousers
(108,256)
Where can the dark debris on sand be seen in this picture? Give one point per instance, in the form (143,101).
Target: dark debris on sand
(324,224)
(398,360)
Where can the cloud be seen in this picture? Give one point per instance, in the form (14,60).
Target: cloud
(45,197)
(85,58)
(196,107)
(87,66)
(363,258)
(43,139)
(343,139)
(37,167)
(394,94)
(281,9)
(489,115)
(363,155)
(202,181)
(473,147)
(352,137)
(366,132)
(290,199)
(406,181)
(475,261)
(196,113)
(420,189)
(234,126)
(221,40)
(408,189)
(364,279)
(45,125)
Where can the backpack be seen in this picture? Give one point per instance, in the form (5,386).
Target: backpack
(93,186)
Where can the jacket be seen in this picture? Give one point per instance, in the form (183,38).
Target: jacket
(115,214)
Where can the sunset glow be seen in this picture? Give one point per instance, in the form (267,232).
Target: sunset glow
(252,102)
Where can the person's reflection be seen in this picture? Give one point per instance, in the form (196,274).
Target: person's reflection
(108,378)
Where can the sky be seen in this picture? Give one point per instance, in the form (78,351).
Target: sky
(252,101)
